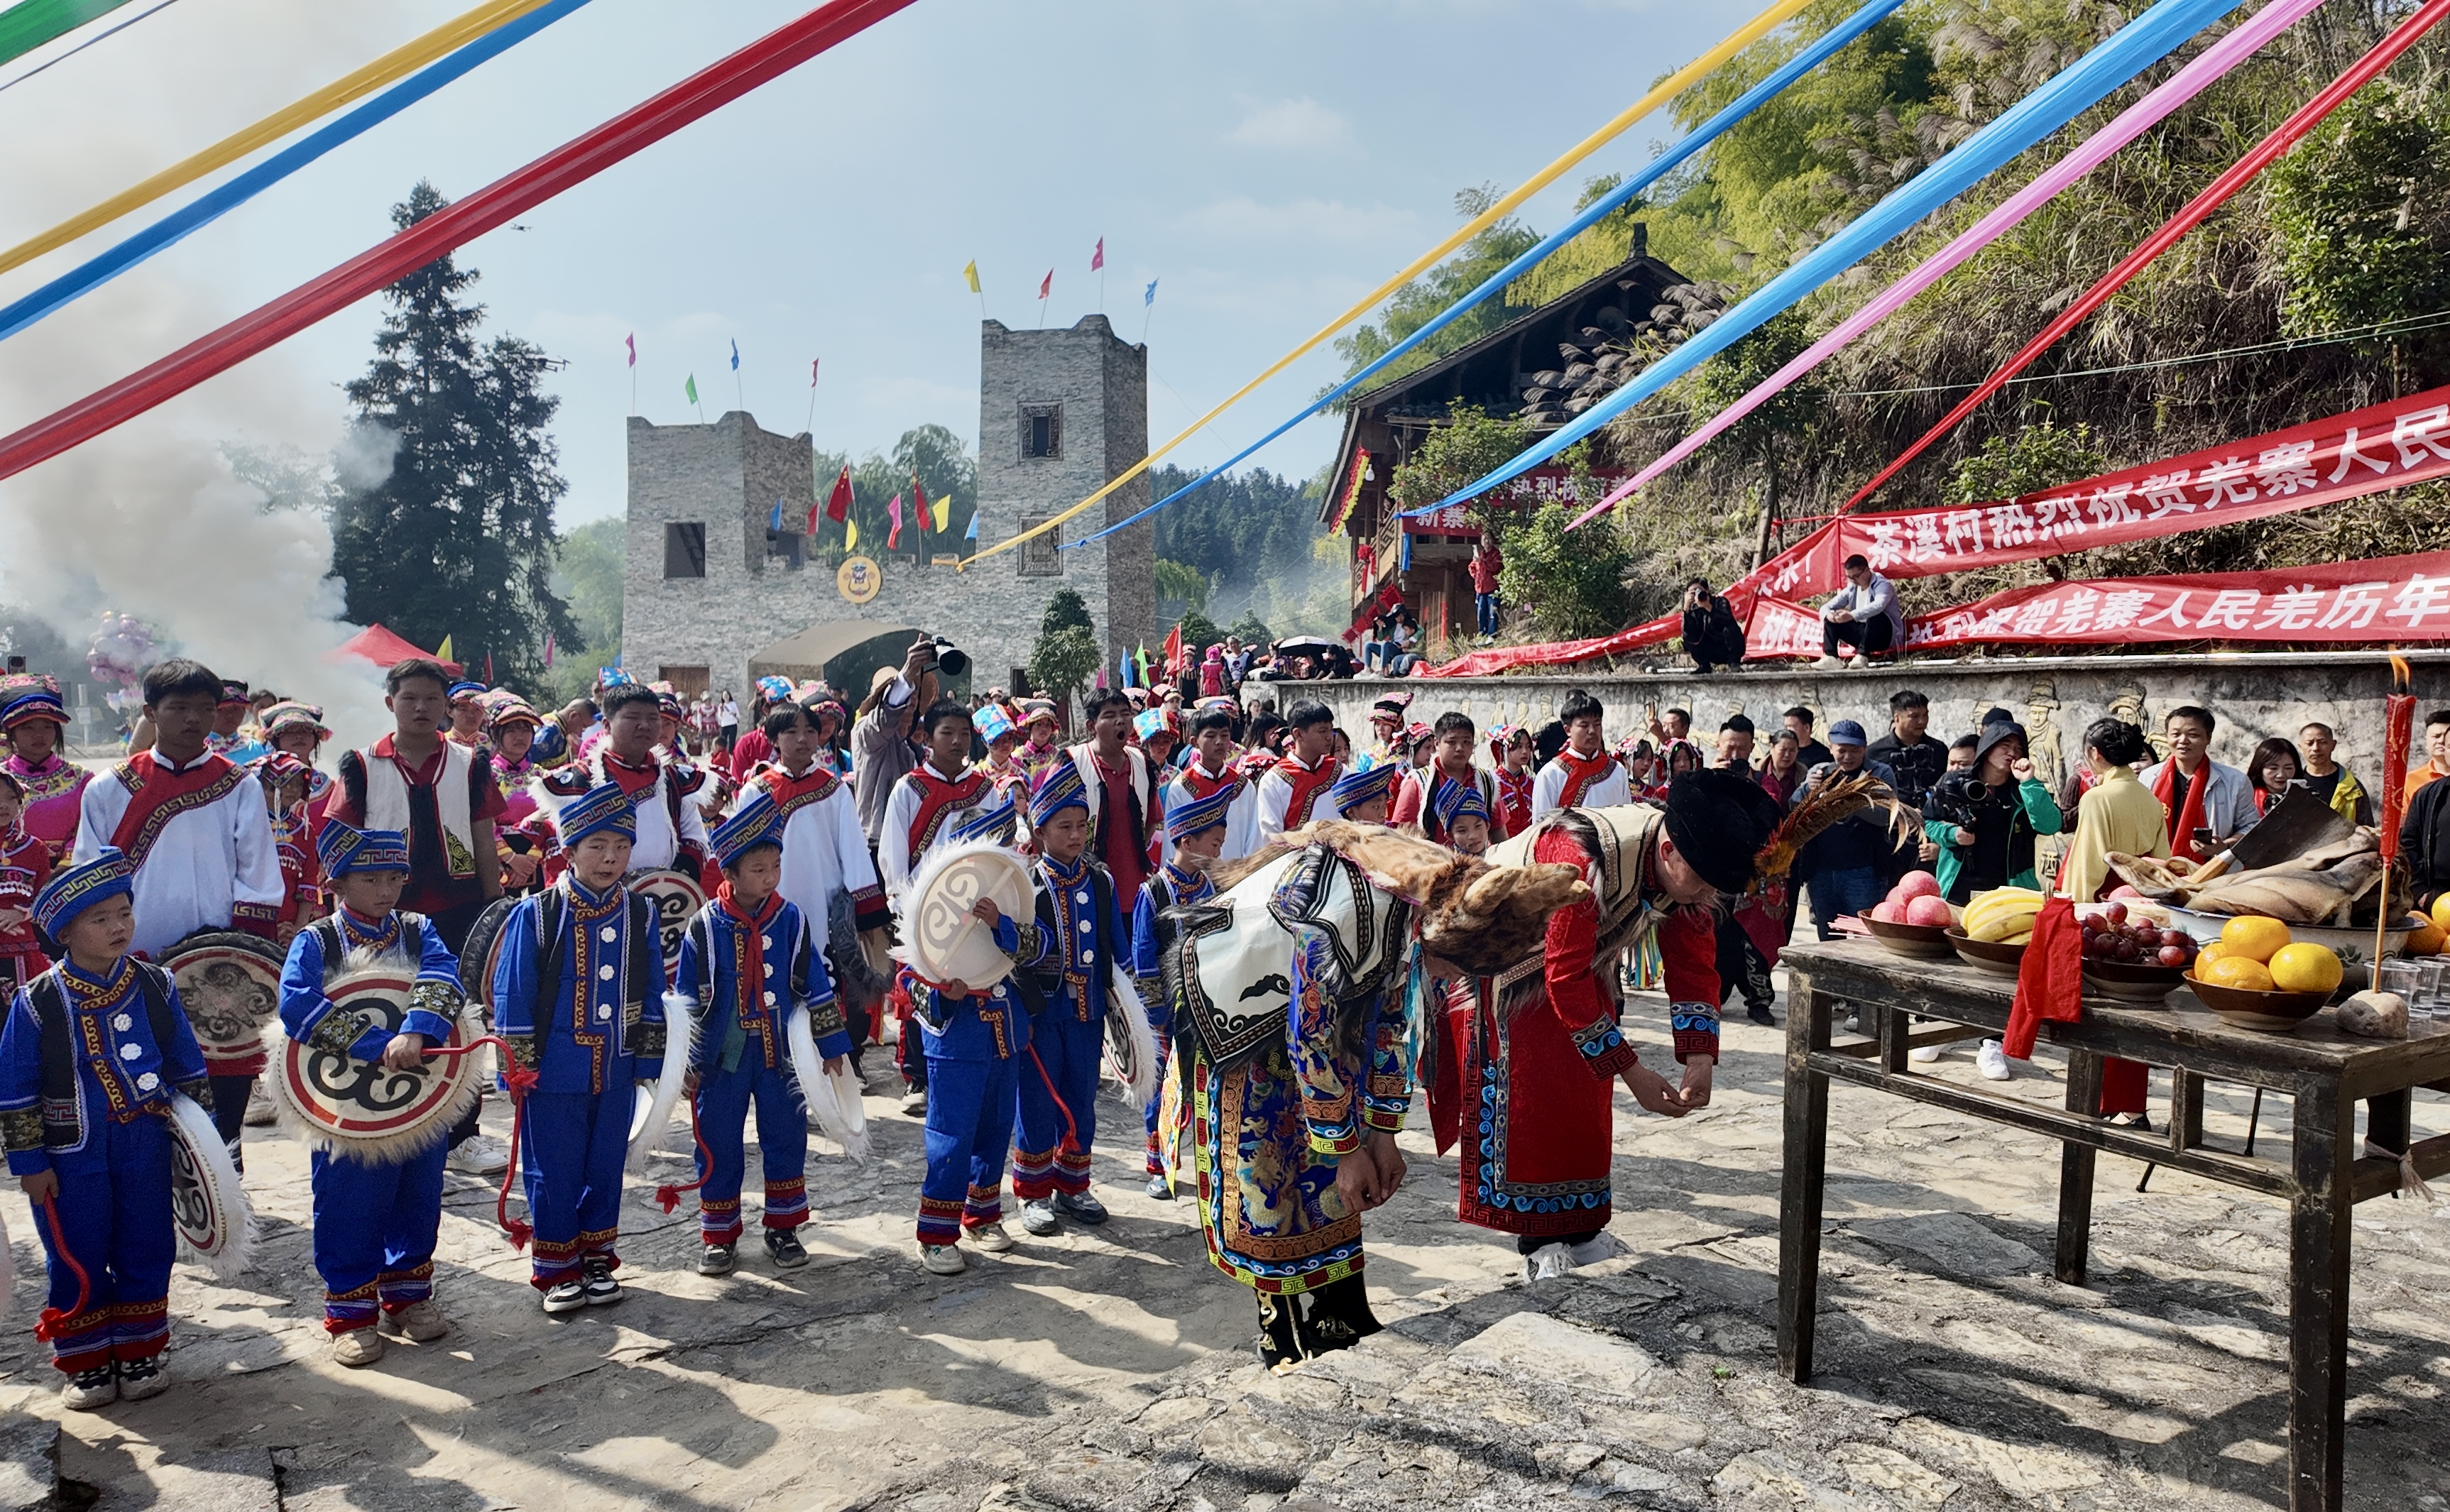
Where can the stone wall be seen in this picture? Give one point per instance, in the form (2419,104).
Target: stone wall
(2253,695)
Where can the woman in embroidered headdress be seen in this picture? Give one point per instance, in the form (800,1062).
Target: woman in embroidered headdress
(53,787)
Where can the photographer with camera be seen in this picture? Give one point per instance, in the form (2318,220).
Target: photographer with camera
(1712,636)
(1992,815)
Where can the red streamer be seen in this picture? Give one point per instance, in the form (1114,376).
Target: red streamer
(669,1195)
(519,1079)
(47,1327)
(2398,735)
(565,167)
(2267,152)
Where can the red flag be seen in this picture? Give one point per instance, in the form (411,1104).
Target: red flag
(1046,284)
(919,497)
(893,512)
(838,502)
(1173,650)
(547,647)
(489,668)
(1098,259)
(813,363)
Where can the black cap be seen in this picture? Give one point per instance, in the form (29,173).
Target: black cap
(1719,818)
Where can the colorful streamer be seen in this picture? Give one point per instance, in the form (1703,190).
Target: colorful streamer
(105,34)
(2213,62)
(392,66)
(1666,163)
(1778,12)
(566,166)
(29,24)
(101,270)
(2196,210)
(2136,46)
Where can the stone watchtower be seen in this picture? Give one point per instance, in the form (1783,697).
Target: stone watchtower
(714,594)
(1059,414)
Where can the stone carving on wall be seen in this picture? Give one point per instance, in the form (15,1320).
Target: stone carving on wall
(2043,743)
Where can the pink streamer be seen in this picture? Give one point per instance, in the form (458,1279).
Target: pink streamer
(2212,62)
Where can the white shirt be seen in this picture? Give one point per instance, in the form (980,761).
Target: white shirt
(1275,793)
(656,847)
(894,862)
(824,852)
(730,715)
(203,864)
(1241,818)
(1549,787)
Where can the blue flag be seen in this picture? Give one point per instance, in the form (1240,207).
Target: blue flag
(1150,297)
(735,356)
(774,521)
(973,534)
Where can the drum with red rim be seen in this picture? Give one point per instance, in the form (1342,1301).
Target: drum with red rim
(342,1105)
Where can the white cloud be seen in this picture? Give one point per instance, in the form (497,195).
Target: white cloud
(1239,216)
(1293,126)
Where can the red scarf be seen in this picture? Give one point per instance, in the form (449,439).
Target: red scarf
(156,795)
(1307,784)
(1583,773)
(1197,782)
(937,798)
(750,991)
(1514,800)
(2186,821)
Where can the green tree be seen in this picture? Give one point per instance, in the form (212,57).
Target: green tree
(1198,632)
(1250,629)
(1570,585)
(459,539)
(1472,444)
(1781,425)
(1418,302)
(1065,609)
(2364,218)
(1178,584)
(942,465)
(1237,530)
(2034,458)
(588,576)
(1066,653)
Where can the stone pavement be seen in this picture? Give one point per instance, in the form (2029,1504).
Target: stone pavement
(1112,1369)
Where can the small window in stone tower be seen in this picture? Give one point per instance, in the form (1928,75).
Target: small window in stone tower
(685,551)
(1041,430)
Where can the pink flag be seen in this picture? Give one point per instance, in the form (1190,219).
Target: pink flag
(1046,284)
(893,512)
(632,344)
(812,371)
(1098,259)
(547,647)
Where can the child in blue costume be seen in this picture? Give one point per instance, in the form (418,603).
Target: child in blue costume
(1194,832)
(1361,796)
(91,1054)
(578,990)
(748,960)
(1066,957)
(974,1039)
(374,1221)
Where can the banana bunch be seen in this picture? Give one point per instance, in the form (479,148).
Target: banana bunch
(2003,915)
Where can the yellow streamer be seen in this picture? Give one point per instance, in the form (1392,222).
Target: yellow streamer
(1674,84)
(391,66)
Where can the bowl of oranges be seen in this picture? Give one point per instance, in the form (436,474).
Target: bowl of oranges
(2256,977)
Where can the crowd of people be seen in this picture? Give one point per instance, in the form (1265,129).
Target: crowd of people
(502,858)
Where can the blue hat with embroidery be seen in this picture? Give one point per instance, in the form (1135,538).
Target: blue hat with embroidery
(343,849)
(1459,801)
(1354,788)
(604,808)
(991,722)
(464,690)
(998,820)
(71,892)
(756,822)
(1058,790)
(1185,820)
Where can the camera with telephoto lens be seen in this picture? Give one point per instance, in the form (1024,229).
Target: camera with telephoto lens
(1956,800)
(951,659)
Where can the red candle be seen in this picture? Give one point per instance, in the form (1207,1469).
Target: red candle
(2398,728)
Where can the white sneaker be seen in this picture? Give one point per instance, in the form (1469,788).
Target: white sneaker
(1550,1262)
(1923,1054)
(1991,1061)
(992,1237)
(479,1156)
(941,1259)
(1591,1252)
(1826,663)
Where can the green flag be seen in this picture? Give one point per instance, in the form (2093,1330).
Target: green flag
(690,388)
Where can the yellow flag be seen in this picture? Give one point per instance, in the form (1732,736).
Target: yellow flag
(971,274)
(943,512)
(443,653)
(850,535)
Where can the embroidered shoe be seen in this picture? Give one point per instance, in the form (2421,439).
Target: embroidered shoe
(565,1297)
(139,1379)
(357,1347)
(602,1291)
(87,1390)
(715,1260)
(992,1238)
(784,1248)
(421,1321)
(1081,1207)
(1038,1216)
(941,1259)
(1159,1189)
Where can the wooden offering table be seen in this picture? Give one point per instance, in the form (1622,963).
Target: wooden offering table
(2326,1073)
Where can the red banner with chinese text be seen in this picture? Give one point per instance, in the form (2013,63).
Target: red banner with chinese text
(1542,485)
(2320,462)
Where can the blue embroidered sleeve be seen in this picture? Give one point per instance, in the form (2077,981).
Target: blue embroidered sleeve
(21,1089)
(515,1009)
(302,1004)
(435,1002)
(1144,965)
(1386,1095)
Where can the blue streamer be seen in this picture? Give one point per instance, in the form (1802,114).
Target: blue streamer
(1666,163)
(2082,84)
(205,210)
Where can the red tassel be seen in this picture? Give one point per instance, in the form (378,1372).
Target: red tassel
(670,1195)
(47,1327)
(518,1079)
(1071,1130)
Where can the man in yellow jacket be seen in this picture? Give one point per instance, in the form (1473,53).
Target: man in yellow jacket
(2330,782)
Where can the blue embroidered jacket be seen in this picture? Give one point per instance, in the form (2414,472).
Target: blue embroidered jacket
(307,1014)
(599,1022)
(733,1011)
(112,1053)
(1064,955)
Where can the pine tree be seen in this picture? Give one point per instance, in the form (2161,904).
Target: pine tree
(459,540)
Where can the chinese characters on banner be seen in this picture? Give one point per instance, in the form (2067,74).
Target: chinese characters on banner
(1542,485)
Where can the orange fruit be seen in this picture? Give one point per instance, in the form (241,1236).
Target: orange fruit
(2426,939)
(2306,968)
(2254,937)
(2237,971)
(2206,955)
(2441,912)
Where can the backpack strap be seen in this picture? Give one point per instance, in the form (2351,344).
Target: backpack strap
(154,984)
(62,1129)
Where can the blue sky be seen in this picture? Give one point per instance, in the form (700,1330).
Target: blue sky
(1267,162)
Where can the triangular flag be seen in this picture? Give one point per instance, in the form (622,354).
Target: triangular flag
(1046,284)
(443,653)
(1098,259)
(735,356)
(850,535)
(944,512)
(690,388)
(970,275)
(774,521)
(812,369)
(974,525)
(918,503)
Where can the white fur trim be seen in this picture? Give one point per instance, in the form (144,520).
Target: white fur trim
(205,1141)
(1123,997)
(825,1096)
(7,1272)
(680,1042)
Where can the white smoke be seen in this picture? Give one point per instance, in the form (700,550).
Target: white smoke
(147,519)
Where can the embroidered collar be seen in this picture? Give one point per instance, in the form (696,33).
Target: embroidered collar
(590,899)
(359,934)
(89,991)
(1062,874)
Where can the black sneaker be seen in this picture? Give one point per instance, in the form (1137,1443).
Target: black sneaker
(715,1260)
(784,1248)
(601,1290)
(1081,1207)
(1761,1017)
(565,1297)
(139,1379)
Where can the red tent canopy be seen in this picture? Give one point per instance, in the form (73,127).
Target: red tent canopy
(377,645)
